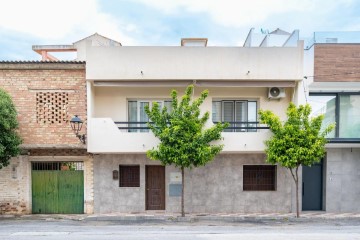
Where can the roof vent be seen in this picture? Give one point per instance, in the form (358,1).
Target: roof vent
(194,42)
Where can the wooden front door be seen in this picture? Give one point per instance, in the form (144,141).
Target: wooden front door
(155,188)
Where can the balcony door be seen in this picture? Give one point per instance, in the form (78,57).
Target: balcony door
(137,115)
(237,111)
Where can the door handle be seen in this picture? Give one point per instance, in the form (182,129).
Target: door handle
(303,188)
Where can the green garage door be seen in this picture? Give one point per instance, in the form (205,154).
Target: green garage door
(56,189)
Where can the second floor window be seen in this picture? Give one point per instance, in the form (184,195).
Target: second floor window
(340,108)
(137,116)
(241,114)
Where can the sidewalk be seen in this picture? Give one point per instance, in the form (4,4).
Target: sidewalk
(165,217)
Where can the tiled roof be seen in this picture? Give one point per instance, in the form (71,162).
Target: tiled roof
(41,62)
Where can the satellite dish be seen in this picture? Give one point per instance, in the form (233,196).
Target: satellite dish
(274,91)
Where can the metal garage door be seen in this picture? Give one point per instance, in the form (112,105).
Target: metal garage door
(57,187)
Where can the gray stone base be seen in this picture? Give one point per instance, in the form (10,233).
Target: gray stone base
(214,188)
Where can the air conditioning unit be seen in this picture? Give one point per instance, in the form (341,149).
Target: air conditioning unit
(276,93)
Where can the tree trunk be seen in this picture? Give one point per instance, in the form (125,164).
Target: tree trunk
(182,192)
(296,180)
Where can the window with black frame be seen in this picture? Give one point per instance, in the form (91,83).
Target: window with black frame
(340,108)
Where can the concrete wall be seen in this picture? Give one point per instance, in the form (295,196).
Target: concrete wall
(342,180)
(217,187)
(115,63)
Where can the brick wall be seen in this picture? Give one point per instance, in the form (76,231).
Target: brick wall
(15,187)
(38,90)
(337,63)
(46,96)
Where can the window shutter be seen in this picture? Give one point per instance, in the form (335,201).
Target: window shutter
(228,114)
(216,111)
(240,115)
(132,114)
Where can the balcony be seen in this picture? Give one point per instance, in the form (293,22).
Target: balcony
(107,136)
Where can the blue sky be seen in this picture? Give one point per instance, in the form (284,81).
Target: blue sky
(163,22)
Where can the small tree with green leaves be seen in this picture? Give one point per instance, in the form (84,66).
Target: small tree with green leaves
(9,138)
(183,140)
(298,141)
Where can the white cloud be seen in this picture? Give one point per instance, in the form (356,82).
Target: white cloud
(241,13)
(57,20)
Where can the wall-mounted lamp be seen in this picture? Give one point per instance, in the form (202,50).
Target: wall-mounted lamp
(76,125)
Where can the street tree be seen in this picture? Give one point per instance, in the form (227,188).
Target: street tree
(184,141)
(9,138)
(300,140)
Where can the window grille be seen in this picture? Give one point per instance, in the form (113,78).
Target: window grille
(129,176)
(259,178)
(57,166)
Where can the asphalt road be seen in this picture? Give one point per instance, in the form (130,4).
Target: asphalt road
(271,229)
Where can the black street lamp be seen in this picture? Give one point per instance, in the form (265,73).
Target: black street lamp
(76,125)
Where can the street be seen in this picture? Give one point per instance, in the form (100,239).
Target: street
(54,229)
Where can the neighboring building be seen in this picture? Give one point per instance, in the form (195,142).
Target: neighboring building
(122,80)
(46,96)
(54,173)
(332,69)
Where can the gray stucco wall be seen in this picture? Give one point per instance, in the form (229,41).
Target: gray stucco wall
(343,180)
(214,188)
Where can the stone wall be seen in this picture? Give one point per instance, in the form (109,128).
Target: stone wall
(215,188)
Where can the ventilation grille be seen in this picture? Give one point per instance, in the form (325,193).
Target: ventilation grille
(52,107)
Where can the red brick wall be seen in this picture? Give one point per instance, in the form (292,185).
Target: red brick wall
(337,62)
(24,80)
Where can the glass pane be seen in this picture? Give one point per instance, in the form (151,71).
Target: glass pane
(240,116)
(349,122)
(143,116)
(168,106)
(228,114)
(252,115)
(324,105)
(132,114)
(216,111)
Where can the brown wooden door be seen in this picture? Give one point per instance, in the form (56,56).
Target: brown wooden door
(155,188)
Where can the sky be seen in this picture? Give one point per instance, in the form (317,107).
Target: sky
(24,23)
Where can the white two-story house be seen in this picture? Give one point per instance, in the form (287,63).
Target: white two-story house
(122,80)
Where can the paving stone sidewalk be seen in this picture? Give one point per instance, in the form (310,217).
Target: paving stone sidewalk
(166,217)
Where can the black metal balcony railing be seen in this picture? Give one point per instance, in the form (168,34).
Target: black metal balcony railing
(233,127)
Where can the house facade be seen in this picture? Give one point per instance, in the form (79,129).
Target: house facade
(122,80)
(111,173)
(46,95)
(332,63)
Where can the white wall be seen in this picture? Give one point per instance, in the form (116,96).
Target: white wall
(110,104)
(164,63)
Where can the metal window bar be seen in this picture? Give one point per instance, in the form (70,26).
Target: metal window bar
(57,166)
(233,125)
(259,178)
